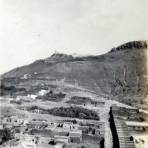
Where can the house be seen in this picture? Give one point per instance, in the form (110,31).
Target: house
(8,125)
(75,136)
(54,144)
(32,96)
(62,139)
(44,140)
(59,145)
(70,126)
(43,92)
(60,131)
(26,76)
(137,126)
(36,124)
(14,120)
(51,125)
(20,128)
(28,140)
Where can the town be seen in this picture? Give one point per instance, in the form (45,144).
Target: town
(61,115)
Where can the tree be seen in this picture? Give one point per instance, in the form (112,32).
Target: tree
(6,135)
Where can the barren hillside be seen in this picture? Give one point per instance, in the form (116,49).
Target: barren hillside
(118,74)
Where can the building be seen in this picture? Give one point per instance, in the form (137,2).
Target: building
(36,124)
(75,136)
(13,120)
(70,126)
(26,140)
(62,139)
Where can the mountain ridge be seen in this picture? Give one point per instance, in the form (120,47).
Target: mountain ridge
(61,57)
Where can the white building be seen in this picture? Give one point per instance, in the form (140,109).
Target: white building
(43,92)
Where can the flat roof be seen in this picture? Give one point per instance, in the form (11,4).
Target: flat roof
(134,123)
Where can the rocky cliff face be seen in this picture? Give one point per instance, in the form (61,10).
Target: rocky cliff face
(120,73)
(131,45)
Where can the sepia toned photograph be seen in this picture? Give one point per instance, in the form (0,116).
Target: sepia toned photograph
(73,73)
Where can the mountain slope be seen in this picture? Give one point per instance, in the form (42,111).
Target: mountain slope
(118,73)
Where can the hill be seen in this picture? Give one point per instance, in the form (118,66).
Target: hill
(118,74)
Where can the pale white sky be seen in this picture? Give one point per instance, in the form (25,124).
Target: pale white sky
(34,29)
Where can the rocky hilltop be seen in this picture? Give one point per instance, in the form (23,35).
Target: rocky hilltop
(118,74)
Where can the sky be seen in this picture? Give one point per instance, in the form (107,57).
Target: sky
(35,29)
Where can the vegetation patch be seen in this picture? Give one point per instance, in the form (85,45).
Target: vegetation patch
(73,112)
(79,100)
(10,90)
(5,135)
(55,97)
